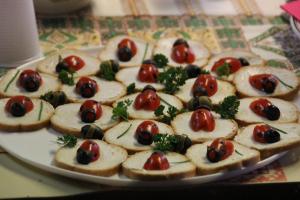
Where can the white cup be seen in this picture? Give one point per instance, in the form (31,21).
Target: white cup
(19,41)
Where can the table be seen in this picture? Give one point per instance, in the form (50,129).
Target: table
(221,25)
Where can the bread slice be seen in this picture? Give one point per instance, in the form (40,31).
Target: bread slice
(286,142)
(128,140)
(48,65)
(145,114)
(224,89)
(253,59)
(180,167)
(130,75)
(107,164)
(9,85)
(164,46)
(288,112)
(241,81)
(225,128)
(109,91)
(36,119)
(241,157)
(66,119)
(144,51)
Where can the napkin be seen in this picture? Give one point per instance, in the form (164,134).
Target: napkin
(293,8)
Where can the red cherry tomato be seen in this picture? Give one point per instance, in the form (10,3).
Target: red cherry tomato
(128,43)
(92,147)
(149,126)
(234,64)
(208,82)
(86,80)
(148,73)
(157,161)
(259,105)
(259,81)
(92,104)
(258,133)
(147,100)
(202,119)
(220,149)
(28,73)
(74,63)
(182,54)
(19,99)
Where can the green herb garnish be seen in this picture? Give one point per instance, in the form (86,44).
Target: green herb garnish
(124,131)
(130,88)
(223,70)
(283,83)
(277,129)
(180,162)
(160,60)
(66,77)
(67,140)
(176,143)
(40,111)
(145,52)
(11,80)
(203,71)
(169,116)
(236,151)
(228,107)
(172,79)
(108,70)
(120,111)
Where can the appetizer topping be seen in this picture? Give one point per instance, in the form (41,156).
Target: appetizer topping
(126,50)
(130,88)
(199,102)
(120,111)
(90,111)
(67,140)
(124,132)
(265,108)
(88,151)
(265,134)
(157,161)
(182,53)
(205,85)
(56,98)
(177,143)
(71,63)
(220,149)
(160,60)
(145,132)
(228,107)
(264,82)
(202,119)
(92,131)
(86,87)
(108,69)
(147,100)
(172,79)
(30,80)
(227,65)
(148,73)
(18,106)
(244,61)
(194,71)
(66,77)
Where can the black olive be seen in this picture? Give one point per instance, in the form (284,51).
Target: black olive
(144,137)
(56,98)
(269,85)
(183,143)
(199,91)
(192,70)
(31,84)
(214,155)
(114,65)
(272,112)
(244,62)
(88,115)
(61,66)
(149,62)
(149,87)
(271,136)
(181,41)
(17,109)
(92,132)
(124,54)
(87,90)
(83,157)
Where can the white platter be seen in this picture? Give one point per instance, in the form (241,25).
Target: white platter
(37,148)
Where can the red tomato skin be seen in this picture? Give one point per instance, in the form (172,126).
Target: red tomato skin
(148,73)
(147,100)
(202,119)
(20,99)
(130,44)
(157,161)
(207,81)
(234,64)
(74,63)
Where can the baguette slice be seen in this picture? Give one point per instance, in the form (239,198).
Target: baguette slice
(286,142)
(30,121)
(66,119)
(9,85)
(253,59)
(225,128)
(145,114)
(108,163)
(130,75)
(224,89)
(241,81)
(144,51)
(48,65)
(128,140)
(244,157)
(180,167)
(108,92)
(164,46)
(288,112)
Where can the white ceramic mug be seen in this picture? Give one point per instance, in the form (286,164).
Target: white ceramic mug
(19,40)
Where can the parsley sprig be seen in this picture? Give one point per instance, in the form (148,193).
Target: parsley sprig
(223,70)
(166,142)
(66,77)
(160,60)
(172,79)
(67,140)
(108,70)
(228,107)
(169,116)
(130,88)
(120,111)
